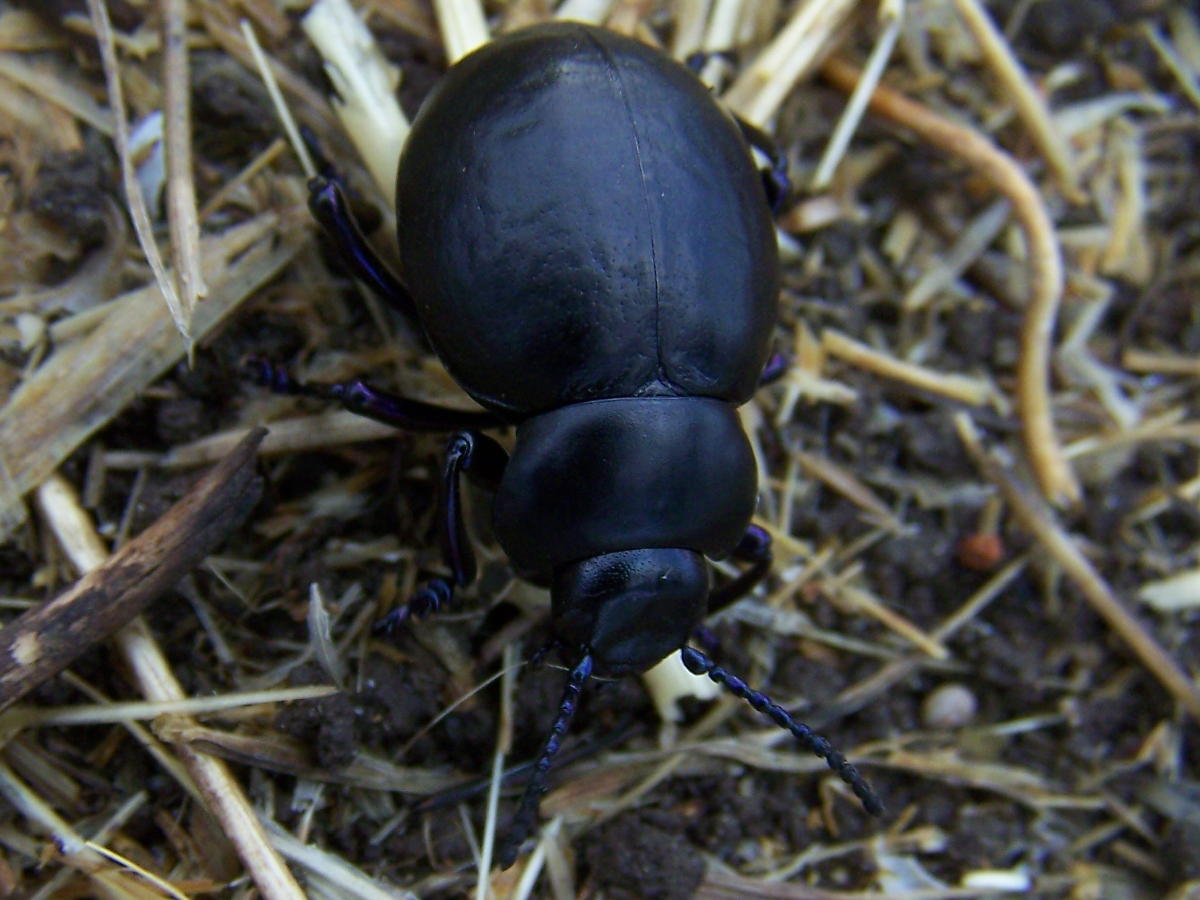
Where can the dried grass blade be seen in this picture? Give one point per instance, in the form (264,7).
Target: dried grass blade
(182,219)
(133,195)
(1031,107)
(86,383)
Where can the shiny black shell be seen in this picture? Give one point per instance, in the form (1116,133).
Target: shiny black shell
(578,219)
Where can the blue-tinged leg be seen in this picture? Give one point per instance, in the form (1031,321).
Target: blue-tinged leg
(359,397)
(329,206)
(775,369)
(699,664)
(484,460)
(775,177)
(754,548)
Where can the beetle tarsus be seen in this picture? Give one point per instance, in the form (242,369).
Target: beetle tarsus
(267,374)
(698,664)
(483,459)
(428,599)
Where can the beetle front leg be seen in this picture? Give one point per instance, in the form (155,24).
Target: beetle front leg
(329,205)
(775,177)
(484,460)
(754,548)
(359,397)
(776,367)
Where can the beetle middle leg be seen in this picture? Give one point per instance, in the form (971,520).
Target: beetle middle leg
(468,451)
(360,397)
(482,458)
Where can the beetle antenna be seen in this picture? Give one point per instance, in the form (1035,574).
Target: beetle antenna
(523,821)
(699,664)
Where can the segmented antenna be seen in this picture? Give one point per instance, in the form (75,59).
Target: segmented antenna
(526,817)
(699,664)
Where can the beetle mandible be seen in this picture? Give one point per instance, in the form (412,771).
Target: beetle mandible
(587,243)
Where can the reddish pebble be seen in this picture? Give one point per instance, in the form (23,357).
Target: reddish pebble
(981,551)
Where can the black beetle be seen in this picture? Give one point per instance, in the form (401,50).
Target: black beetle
(587,243)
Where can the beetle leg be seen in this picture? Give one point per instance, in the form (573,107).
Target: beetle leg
(775,369)
(775,177)
(484,460)
(330,207)
(359,397)
(754,548)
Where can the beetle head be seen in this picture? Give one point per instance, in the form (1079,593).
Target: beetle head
(632,608)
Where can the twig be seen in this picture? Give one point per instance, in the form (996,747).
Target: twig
(859,694)
(1046,457)
(75,849)
(45,639)
(364,83)
(1032,513)
(222,795)
(107,713)
(508,667)
(344,879)
(286,119)
(859,600)
(71,97)
(257,165)
(1146,362)
(309,102)
(294,435)
(963,252)
(1173,62)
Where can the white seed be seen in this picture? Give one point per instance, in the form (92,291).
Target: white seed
(949,706)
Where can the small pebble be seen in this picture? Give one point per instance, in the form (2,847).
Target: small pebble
(949,706)
(981,551)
